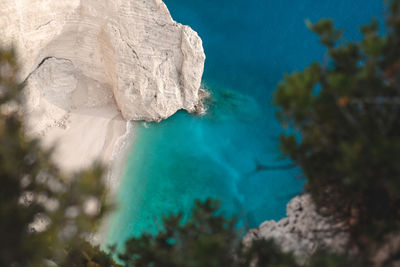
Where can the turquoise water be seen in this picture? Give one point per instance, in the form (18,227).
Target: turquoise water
(249,46)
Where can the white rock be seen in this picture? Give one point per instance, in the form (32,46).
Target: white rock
(92,65)
(151,64)
(303,231)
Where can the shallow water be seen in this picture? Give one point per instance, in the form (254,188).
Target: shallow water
(249,46)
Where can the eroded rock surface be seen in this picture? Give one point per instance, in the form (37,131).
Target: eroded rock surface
(92,65)
(303,231)
(134,49)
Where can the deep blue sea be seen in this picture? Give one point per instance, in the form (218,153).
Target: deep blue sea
(250,45)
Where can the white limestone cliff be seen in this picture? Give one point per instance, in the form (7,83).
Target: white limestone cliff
(152,65)
(92,65)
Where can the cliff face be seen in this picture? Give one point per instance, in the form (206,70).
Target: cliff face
(130,51)
(303,231)
(92,65)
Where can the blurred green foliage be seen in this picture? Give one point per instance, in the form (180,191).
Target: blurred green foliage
(346,112)
(47,217)
(205,239)
(44,214)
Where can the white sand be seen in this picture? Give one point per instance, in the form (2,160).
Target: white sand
(85,65)
(74,113)
(79,136)
(88,135)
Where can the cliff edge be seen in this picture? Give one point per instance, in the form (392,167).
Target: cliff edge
(92,65)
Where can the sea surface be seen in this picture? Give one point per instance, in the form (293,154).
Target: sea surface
(250,45)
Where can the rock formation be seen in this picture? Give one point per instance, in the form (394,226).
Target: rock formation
(133,49)
(92,65)
(303,231)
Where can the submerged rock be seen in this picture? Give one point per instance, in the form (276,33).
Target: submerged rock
(303,231)
(149,64)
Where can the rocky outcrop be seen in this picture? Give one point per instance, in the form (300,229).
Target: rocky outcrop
(149,64)
(303,231)
(92,65)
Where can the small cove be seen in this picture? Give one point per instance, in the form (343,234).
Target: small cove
(249,46)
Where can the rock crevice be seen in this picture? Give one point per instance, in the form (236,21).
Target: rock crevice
(92,65)
(303,231)
(152,64)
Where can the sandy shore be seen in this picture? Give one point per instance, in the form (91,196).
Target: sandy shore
(88,73)
(80,136)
